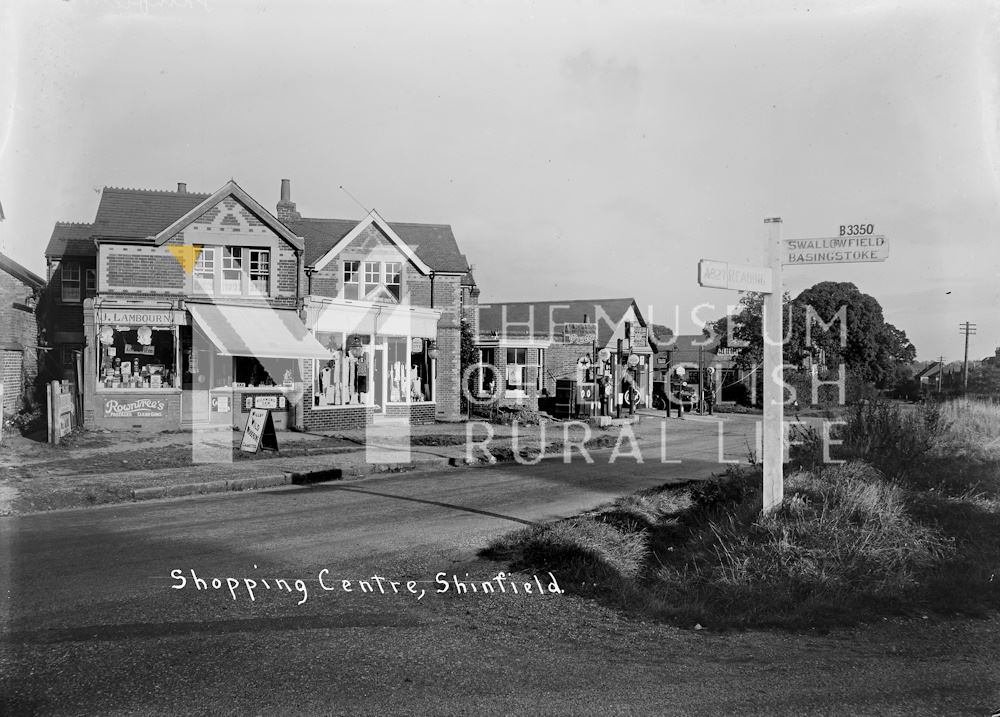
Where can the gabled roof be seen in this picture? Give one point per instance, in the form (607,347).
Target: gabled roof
(71,239)
(20,273)
(433,244)
(229,189)
(607,313)
(136,214)
(685,347)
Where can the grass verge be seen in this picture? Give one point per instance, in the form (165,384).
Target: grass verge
(850,543)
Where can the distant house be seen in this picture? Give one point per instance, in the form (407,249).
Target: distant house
(19,290)
(525,347)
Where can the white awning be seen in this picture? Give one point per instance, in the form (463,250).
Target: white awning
(363,318)
(258,332)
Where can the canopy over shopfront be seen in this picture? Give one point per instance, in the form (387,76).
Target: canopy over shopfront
(256,331)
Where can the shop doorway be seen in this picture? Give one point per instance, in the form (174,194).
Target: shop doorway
(378,378)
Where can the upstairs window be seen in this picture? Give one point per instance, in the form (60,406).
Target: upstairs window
(394,278)
(260,271)
(232,270)
(204,270)
(352,280)
(91,281)
(70,281)
(372,276)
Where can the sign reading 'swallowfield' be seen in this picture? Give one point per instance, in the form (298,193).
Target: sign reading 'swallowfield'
(139,407)
(835,250)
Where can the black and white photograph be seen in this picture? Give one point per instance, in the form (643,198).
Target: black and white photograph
(467,357)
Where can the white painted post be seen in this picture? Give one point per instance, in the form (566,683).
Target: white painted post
(773,448)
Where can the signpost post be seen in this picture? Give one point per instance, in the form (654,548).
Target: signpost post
(857,243)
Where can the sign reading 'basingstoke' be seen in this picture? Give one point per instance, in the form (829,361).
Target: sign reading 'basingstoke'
(722,275)
(835,250)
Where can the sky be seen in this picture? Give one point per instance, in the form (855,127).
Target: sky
(578,149)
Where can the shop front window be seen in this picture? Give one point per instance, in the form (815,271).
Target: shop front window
(343,379)
(421,371)
(136,357)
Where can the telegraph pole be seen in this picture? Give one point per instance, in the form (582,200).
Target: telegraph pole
(940,373)
(966,329)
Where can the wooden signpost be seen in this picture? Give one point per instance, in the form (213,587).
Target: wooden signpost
(856,243)
(259,432)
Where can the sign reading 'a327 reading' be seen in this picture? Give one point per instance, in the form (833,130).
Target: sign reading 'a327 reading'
(739,277)
(835,250)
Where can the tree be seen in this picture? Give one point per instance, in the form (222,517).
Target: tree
(832,323)
(468,356)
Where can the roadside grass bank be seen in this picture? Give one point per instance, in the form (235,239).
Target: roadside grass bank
(909,525)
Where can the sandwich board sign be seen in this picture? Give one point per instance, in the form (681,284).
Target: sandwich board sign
(259,432)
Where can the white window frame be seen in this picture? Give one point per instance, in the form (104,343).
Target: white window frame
(377,273)
(232,255)
(259,256)
(398,293)
(69,279)
(352,277)
(203,273)
(540,368)
(483,363)
(515,390)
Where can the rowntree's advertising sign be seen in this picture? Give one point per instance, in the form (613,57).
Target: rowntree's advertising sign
(137,408)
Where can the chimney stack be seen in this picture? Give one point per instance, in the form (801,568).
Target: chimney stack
(182,187)
(286,207)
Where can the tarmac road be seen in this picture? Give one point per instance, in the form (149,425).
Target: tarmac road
(98,621)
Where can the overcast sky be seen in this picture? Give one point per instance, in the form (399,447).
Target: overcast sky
(578,149)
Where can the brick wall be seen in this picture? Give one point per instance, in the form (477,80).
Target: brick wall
(418,413)
(129,268)
(18,339)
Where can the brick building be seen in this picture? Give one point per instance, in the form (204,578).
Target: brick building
(194,308)
(526,347)
(387,299)
(19,292)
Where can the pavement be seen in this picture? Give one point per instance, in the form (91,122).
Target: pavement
(99,467)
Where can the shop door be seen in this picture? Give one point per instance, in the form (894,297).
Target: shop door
(195,374)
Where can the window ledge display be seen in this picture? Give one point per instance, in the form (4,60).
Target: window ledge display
(162,390)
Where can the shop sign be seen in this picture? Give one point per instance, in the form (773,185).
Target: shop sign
(640,336)
(137,408)
(220,404)
(266,402)
(137,316)
(259,432)
(579,333)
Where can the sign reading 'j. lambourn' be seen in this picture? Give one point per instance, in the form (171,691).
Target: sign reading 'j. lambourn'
(136,316)
(835,250)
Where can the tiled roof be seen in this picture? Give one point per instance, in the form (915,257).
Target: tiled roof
(685,348)
(20,273)
(71,239)
(573,311)
(434,243)
(139,213)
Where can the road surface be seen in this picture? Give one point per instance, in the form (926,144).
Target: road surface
(98,620)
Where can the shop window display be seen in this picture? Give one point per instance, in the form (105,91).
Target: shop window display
(136,357)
